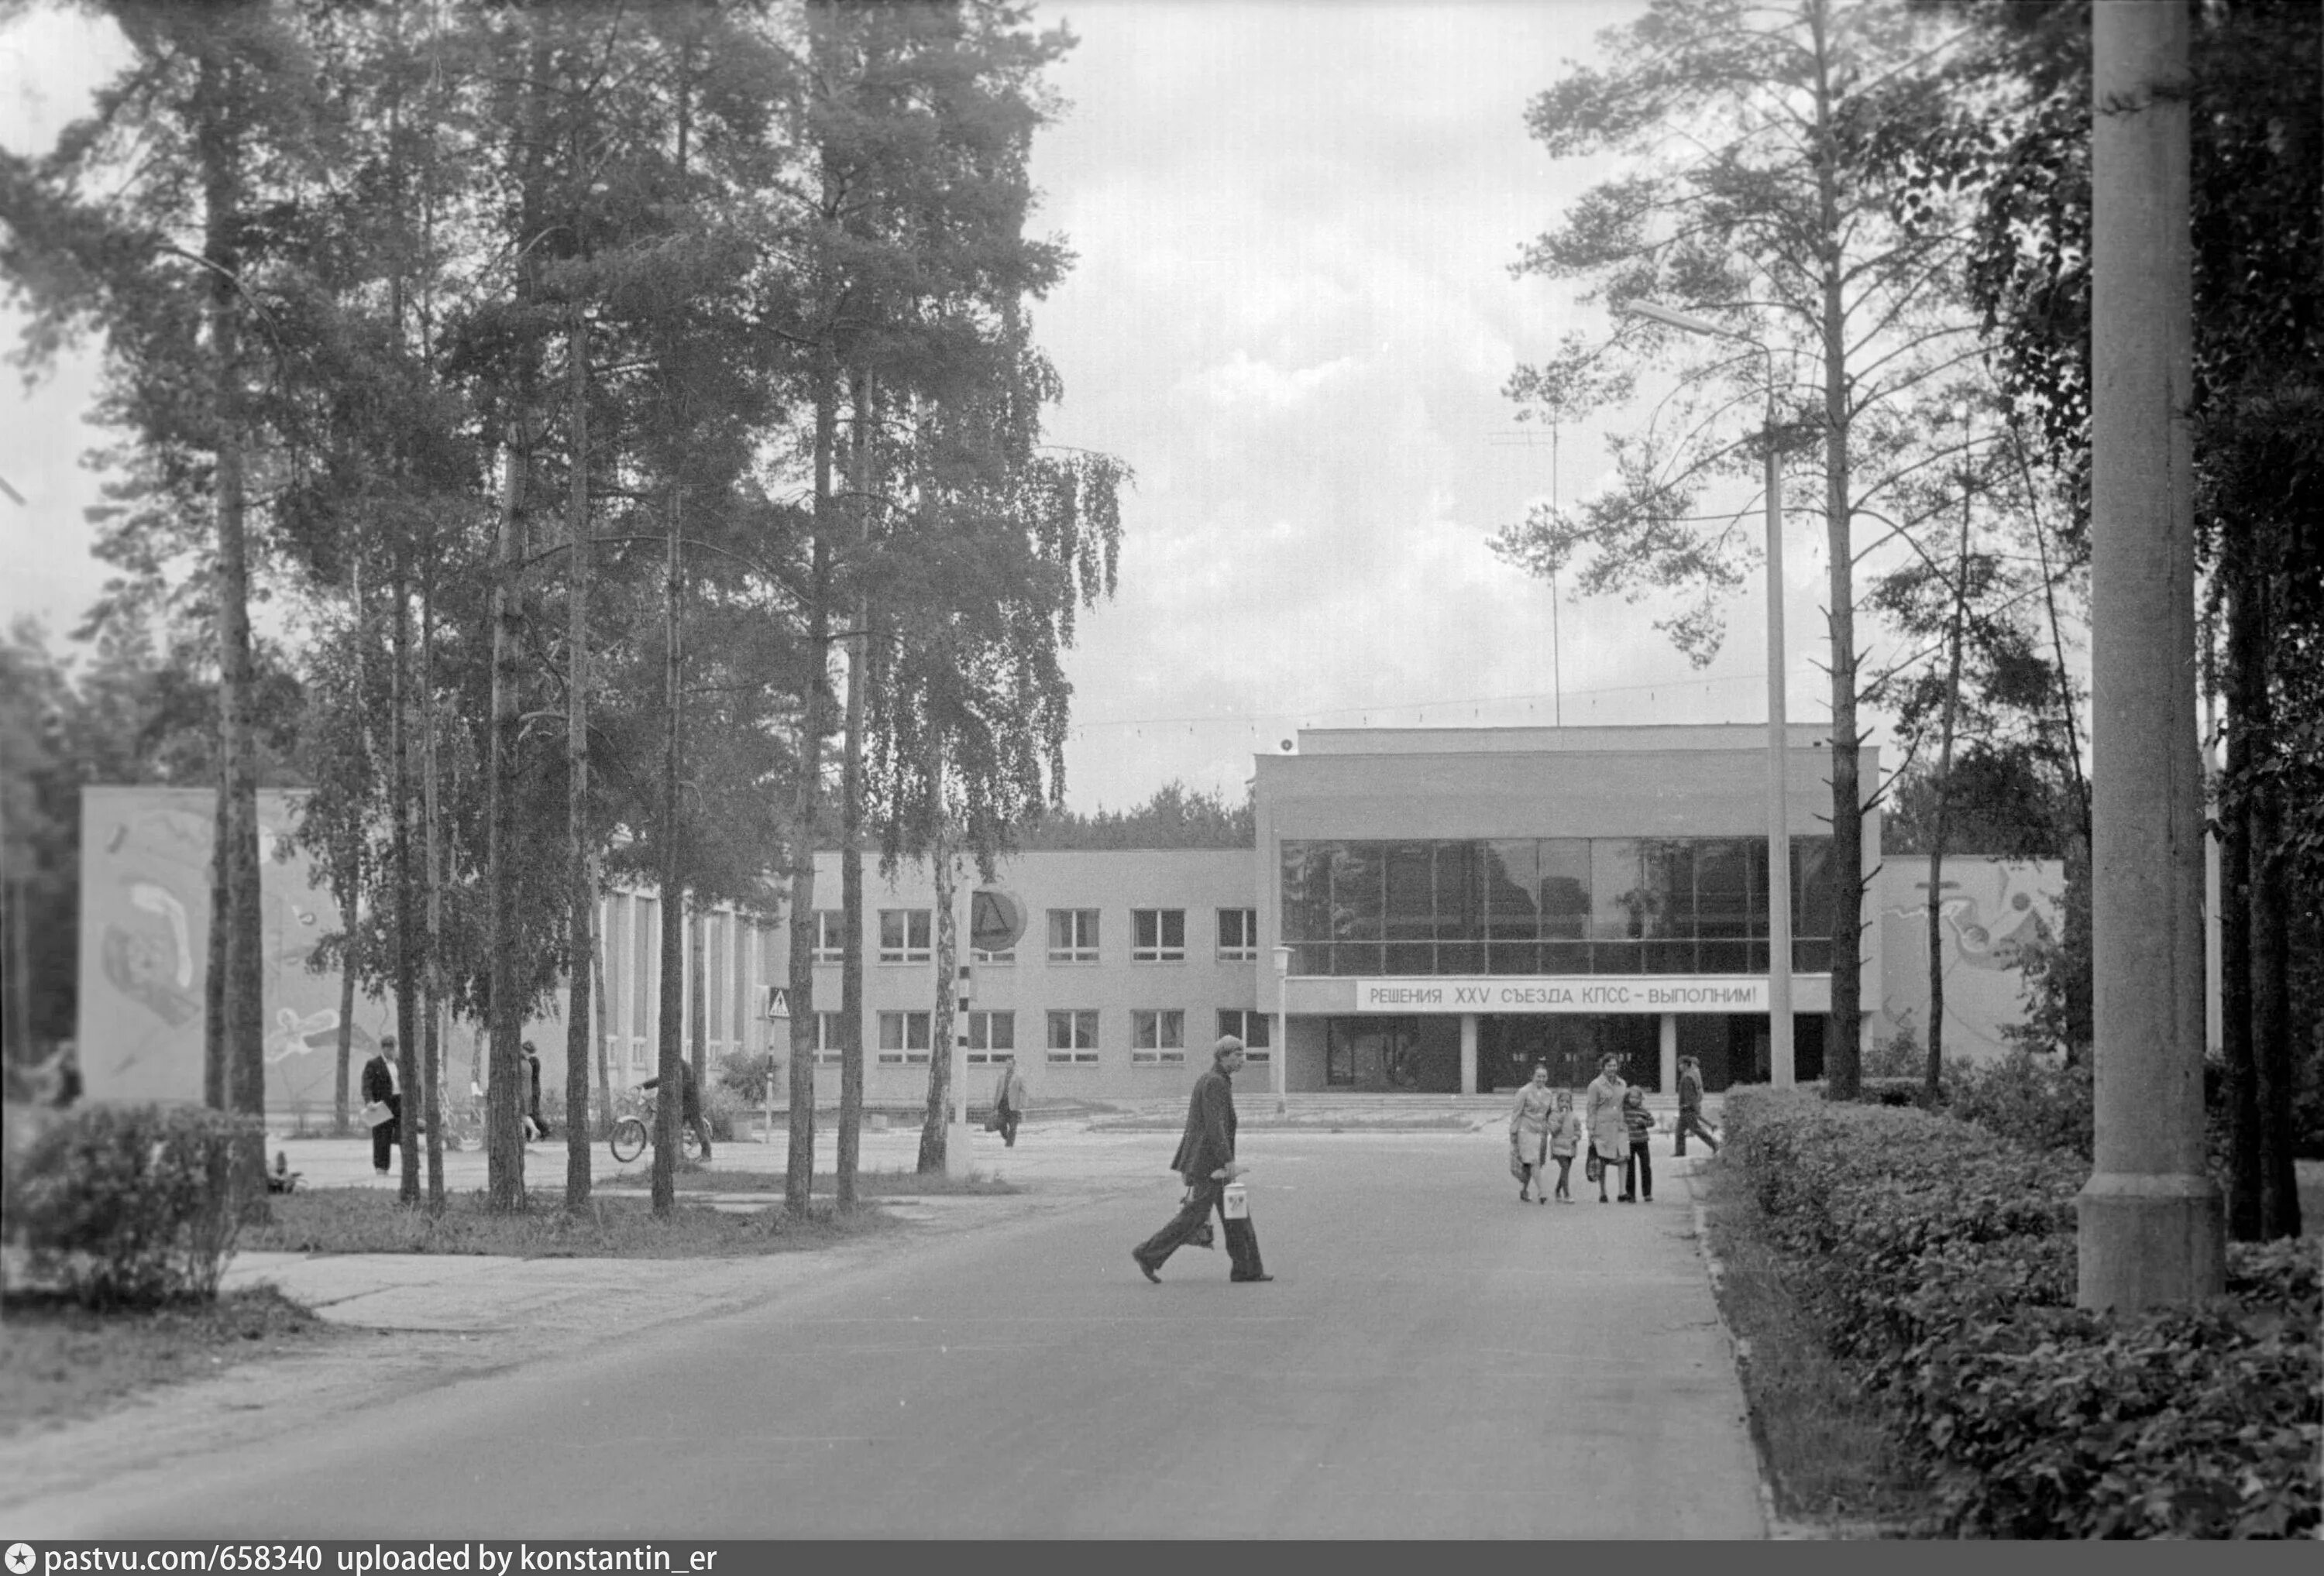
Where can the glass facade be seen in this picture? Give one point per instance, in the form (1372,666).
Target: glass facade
(1548,906)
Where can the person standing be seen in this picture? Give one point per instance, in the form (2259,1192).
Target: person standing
(1564,1140)
(379,1089)
(1638,1166)
(1206,1160)
(1009,1101)
(1609,1136)
(1689,1106)
(537,1128)
(1529,1122)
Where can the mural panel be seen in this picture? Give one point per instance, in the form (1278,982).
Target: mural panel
(1989,909)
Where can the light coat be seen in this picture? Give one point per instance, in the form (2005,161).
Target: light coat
(1565,1134)
(1608,1136)
(1529,1121)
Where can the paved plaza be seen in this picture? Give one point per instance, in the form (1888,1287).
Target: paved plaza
(1433,1360)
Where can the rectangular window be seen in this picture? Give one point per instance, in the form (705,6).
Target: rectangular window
(1073,1036)
(1157,935)
(992,1038)
(830,935)
(1237,935)
(903,1036)
(1254,1029)
(827,1039)
(1157,1034)
(978,956)
(1073,935)
(904,935)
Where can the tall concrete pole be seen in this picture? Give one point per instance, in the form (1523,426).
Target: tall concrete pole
(2151,1229)
(1781,1072)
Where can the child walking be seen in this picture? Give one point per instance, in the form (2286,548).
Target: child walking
(1564,1140)
(1639,1170)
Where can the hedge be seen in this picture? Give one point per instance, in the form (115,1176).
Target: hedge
(128,1206)
(1938,1259)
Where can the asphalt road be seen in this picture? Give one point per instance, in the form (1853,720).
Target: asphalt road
(1433,1360)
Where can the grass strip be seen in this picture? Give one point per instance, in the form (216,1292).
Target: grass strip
(890,1184)
(58,1361)
(1826,1442)
(365,1219)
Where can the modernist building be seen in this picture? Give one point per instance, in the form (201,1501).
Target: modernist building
(1456,904)
(1452,905)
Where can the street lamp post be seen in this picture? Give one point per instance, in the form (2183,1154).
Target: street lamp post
(1780,1065)
(1281,1053)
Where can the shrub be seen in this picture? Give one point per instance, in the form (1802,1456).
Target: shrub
(130,1205)
(2037,1101)
(727,1112)
(1939,1260)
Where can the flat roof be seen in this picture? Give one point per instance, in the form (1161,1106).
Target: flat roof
(1736,736)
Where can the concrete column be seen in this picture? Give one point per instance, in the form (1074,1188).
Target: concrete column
(1668,1061)
(2152,1230)
(1468,1052)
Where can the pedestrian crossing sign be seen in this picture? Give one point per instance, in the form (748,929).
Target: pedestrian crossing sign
(778,1002)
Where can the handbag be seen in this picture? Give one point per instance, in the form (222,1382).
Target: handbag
(1236,1203)
(376,1113)
(1596,1169)
(1516,1166)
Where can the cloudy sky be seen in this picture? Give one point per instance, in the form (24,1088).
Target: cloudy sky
(1292,315)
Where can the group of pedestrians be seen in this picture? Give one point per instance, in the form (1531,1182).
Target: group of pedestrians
(1614,1129)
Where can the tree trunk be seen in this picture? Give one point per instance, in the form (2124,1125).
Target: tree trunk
(1931,1087)
(2239,905)
(242,1012)
(347,888)
(580,936)
(670,1044)
(1844,872)
(697,992)
(799,1171)
(431,1050)
(936,1128)
(604,1027)
(2271,1031)
(407,1006)
(850,835)
(214,1056)
(503,1094)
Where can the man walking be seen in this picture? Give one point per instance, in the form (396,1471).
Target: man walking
(379,1089)
(1205,1159)
(1690,1105)
(1008,1103)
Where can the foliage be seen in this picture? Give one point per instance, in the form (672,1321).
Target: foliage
(2039,1102)
(1938,1259)
(1175,817)
(750,1078)
(130,1206)
(2055,967)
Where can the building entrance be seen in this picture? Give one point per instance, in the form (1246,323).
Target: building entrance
(1570,1045)
(1389,1056)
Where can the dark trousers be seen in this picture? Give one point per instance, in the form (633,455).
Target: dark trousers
(1638,1172)
(385,1137)
(1202,1197)
(1009,1120)
(1690,1121)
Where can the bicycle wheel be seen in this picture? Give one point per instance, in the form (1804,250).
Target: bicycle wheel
(629,1139)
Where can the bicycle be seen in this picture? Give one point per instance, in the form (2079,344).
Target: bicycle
(632,1133)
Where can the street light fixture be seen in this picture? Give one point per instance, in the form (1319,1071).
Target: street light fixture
(1780,1065)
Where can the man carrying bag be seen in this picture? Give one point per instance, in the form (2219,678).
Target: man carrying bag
(1205,1159)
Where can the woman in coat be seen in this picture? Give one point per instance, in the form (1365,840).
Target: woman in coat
(1609,1136)
(1529,1122)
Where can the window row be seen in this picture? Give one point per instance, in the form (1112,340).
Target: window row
(1158,1036)
(1156,936)
(1548,906)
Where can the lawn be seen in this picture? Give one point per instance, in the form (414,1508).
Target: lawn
(1825,1442)
(620,1223)
(59,1361)
(868,1184)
